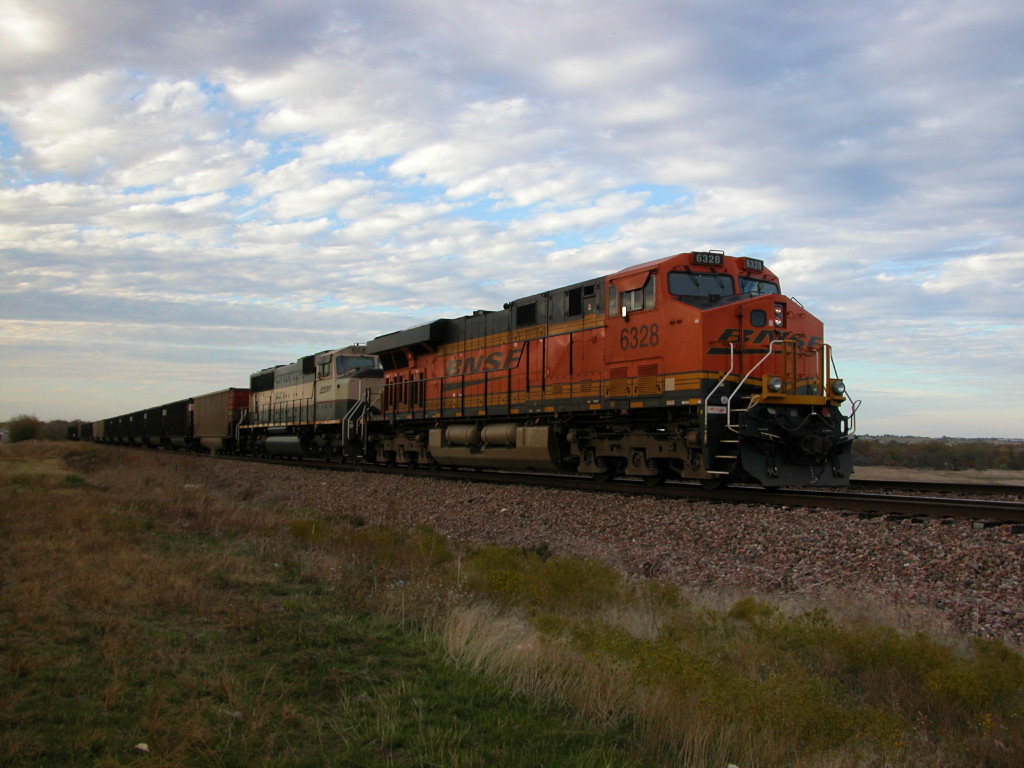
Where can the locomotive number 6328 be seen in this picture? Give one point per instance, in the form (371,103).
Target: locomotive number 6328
(639,336)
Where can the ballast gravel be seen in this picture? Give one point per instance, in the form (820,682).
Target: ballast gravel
(934,575)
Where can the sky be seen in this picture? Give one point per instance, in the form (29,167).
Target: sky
(193,191)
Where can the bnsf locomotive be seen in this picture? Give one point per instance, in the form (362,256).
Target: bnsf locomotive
(692,366)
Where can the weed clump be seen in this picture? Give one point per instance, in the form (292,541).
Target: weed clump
(516,577)
(751,610)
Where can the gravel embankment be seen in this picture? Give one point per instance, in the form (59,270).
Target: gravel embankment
(913,575)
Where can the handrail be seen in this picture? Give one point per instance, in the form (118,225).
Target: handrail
(355,416)
(854,404)
(278,414)
(346,420)
(758,364)
(726,376)
(782,344)
(741,382)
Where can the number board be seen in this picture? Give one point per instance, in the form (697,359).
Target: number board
(708,259)
(753,265)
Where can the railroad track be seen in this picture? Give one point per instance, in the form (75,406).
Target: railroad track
(972,489)
(984,511)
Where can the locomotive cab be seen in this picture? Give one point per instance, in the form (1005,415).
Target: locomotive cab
(344,377)
(711,342)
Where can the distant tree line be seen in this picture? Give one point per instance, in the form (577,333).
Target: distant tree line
(938,453)
(26,427)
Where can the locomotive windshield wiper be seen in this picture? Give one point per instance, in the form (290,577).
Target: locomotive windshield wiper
(693,279)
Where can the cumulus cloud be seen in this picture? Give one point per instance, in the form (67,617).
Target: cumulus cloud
(318,173)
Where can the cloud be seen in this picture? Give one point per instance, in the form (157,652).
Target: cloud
(327,171)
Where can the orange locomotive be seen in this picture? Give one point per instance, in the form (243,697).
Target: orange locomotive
(692,366)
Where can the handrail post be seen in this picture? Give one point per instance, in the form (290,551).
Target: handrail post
(707,400)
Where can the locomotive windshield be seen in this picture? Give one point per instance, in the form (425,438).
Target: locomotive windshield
(350,363)
(700,284)
(757,287)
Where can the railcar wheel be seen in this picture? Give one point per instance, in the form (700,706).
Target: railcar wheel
(715,483)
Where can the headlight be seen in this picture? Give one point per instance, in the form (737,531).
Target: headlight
(838,388)
(774,384)
(780,315)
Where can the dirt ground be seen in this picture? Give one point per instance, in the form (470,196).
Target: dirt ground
(979,476)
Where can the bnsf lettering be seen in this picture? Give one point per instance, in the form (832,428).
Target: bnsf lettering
(484,363)
(766,337)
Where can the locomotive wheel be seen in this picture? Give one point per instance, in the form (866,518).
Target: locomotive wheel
(715,483)
(652,480)
(606,471)
(662,472)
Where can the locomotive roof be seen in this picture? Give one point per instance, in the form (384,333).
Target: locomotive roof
(436,332)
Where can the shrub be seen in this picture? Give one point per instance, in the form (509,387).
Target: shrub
(750,610)
(24,427)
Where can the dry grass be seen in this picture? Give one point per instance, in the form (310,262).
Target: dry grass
(146,599)
(702,682)
(149,603)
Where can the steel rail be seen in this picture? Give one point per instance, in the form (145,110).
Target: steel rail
(988,489)
(873,504)
(851,501)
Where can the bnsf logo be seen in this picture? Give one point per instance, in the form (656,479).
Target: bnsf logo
(766,337)
(482,363)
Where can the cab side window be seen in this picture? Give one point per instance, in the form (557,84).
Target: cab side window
(641,298)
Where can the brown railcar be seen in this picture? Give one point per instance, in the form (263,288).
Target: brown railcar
(215,418)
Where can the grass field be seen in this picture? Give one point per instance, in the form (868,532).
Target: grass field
(148,617)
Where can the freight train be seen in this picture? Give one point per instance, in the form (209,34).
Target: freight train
(694,366)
